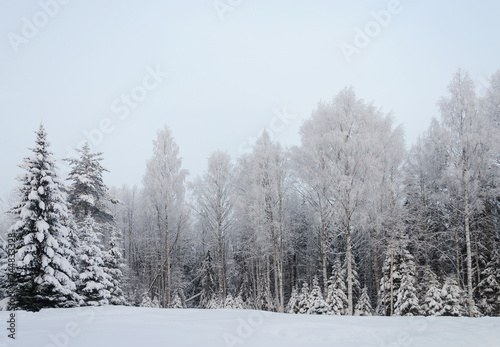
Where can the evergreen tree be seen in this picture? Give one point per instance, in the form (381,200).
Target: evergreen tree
(114,266)
(229,302)
(177,301)
(317,305)
(398,264)
(246,291)
(407,301)
(88,194)
(239,304)
(356,286)
(337,291)
(363,307)
(94,283)
(451,294)
(432,301)
(293,303)
(304,299)
(489,287)
(208,297)
(147,302)
(44,276)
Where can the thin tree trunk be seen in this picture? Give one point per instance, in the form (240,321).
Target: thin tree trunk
(349,269)
(168,266)
(324,256)
(468,246)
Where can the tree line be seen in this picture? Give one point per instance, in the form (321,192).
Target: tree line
(370,227)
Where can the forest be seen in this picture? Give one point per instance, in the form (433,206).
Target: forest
(348,222)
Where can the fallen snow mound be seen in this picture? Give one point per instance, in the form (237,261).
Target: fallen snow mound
(132,326)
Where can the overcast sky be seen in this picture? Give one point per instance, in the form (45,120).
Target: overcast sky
(218,75)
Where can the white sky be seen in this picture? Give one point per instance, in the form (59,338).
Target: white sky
(226,76)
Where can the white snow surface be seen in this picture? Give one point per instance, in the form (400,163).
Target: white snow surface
(131,326)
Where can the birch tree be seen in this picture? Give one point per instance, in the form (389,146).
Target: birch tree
(164,187)
(213,194)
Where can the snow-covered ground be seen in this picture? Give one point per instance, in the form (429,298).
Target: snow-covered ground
(130,326)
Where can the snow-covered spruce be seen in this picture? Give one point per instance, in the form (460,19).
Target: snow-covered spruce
(432,301)
(337,290)
(44,275)
(317,305)
(364,306)
(489,287)
(87,193)
(451,295)
(94,283)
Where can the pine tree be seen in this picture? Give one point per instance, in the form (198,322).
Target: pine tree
(451,295)
(293,303)
(363,307)
(407,301)
(432,301)
(44,276)
(304,299)
(337,291)
(208,297)
(489,287)
(94,283)
(317,305)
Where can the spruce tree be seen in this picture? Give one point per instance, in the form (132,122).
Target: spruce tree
(489,287)
(94,283)
(44,276)
(356,286)
(398,263)
(229,302)
(114,266)
(208,298)
(293,302)
(239,304)
(337,291)
(317,305)
(88,194)
(177,301)
(451,294)
(432,301)
(304,299)
(363,307)
(407,302)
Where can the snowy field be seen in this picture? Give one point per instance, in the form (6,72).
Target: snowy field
(130,326)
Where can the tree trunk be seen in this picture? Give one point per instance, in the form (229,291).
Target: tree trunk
(468,246)
(349,269)
(324,258)
(167,255)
